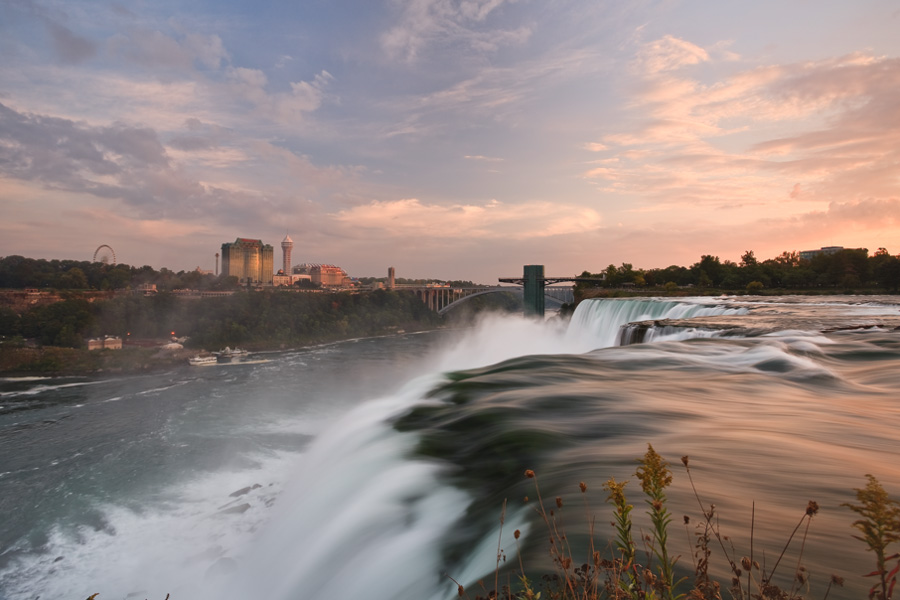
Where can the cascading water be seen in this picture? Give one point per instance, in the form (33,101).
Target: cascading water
(603,320)
(395,495)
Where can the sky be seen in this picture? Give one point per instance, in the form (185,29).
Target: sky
(452,139)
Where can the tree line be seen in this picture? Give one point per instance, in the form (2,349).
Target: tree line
(847,269)
(264,319)
(19,272)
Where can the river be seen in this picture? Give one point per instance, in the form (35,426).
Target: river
(377,468)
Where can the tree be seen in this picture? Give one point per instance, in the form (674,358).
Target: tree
(748,259)
(755,287)
(709,271)
(73,279)
(885,269)
(612,276)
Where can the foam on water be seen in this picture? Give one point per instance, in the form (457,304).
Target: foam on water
(356,515)
(356,509)
(169,544)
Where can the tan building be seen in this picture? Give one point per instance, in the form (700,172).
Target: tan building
(329,276)
(248,260)
(109,342)
(282,280)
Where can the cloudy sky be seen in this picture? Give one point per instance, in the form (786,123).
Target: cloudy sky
(449,138)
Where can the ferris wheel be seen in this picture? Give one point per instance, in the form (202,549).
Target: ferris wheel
(105,254)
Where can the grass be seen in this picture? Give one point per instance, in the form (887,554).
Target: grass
(647,569)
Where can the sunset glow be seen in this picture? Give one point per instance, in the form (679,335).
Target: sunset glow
(449,138)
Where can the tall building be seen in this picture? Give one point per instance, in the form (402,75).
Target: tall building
(391,278)
(286,244)
(248,260)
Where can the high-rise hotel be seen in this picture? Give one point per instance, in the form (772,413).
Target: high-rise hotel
(248,259)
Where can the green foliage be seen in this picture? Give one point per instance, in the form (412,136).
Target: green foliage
(755,287)
(845,269)
(10,322)
(624,538)
(655,477)
(262,319)
(18,272)
(59,324)
(880,527)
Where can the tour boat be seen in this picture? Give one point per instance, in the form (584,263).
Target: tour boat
(202,361)
(229,354)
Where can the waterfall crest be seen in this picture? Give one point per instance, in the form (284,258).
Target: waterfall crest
(602,323)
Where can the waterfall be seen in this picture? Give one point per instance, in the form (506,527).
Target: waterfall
(362,518)
(604,323)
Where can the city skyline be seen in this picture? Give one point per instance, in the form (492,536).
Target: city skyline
(454,140)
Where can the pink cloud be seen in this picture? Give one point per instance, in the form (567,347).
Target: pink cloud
(670,53)
(411,218)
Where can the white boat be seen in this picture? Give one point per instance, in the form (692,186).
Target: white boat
(202,361)
(228,354)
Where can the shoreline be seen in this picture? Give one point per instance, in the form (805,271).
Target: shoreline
(54,361)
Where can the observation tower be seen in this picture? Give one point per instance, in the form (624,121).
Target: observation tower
(286,244)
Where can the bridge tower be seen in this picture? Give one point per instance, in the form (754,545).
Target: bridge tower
(533,281)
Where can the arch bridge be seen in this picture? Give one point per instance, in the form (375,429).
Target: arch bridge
(443,299)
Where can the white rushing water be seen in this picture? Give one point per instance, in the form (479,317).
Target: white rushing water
(339,505)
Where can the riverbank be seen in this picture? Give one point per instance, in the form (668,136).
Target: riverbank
(52,361)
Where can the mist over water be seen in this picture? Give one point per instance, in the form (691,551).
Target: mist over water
(372,468)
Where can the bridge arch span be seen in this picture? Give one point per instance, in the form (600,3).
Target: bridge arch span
(552,298)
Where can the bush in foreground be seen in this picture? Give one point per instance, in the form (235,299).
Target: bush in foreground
(647,571)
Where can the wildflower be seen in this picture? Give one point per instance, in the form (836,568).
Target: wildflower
(654,473)
(880,527)
(583,487)
(517,533)
(558,502)
(616,493)
(812,508)
(529,474)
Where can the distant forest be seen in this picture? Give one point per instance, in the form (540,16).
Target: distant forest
(844,270)
(259,320)
(18,272)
